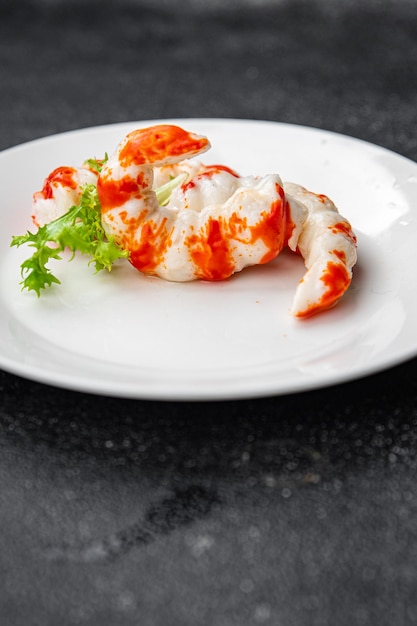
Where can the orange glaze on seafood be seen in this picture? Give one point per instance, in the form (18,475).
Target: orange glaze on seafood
(209,171)
(114,193)
(327,244)
(210,248)
(346,229)
(61,190)
(149,250)
(272,228)
(336,279)
(149,145)
(61,176)
(181,241)
(215,222)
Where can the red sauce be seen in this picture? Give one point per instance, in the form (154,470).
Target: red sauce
(211,249)
(210,252)
(289,224)
(150,249)
(340,255)
(346,229)
(157,143)
(271,229)
(61,176)
(114,193)
(337,280)
(221,168)
(190,185)
(210,170)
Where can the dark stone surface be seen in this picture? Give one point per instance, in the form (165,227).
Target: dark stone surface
(298,510)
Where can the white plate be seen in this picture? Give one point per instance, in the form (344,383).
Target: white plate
(128,335)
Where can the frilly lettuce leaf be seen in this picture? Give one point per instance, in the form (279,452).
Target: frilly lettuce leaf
(79,229)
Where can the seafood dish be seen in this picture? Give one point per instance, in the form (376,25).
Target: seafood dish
(153,203)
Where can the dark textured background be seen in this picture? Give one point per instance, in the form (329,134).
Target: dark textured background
(288,511)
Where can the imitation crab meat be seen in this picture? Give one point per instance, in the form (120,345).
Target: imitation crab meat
(215,222)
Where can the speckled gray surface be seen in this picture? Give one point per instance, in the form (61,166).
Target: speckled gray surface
(296,511)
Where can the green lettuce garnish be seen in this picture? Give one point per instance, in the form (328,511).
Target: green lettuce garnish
(79,229)
(96,164)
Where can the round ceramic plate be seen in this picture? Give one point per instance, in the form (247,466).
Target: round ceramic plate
(125,334)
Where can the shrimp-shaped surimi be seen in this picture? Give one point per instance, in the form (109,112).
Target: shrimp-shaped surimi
(216,223)
(61,190)
(327,244)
